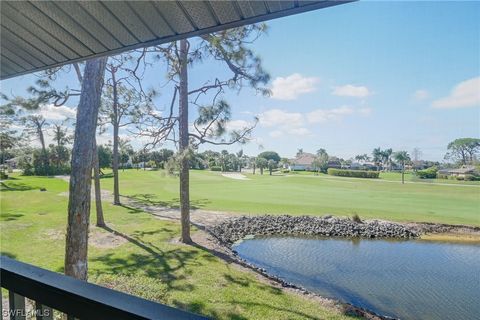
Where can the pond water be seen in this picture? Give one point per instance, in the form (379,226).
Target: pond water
(402,279)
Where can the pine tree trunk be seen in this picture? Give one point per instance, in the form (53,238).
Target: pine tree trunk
(116,187)
(76,248)
(44,150)
(183,145)
(98,190)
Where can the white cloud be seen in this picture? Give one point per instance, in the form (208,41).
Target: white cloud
(299,131)
(238,125)
(50,112)
(365,111)
(292,86)
(275,134)
(324,115)
(295,123)
(104,139)
(284,122)
(463,95)
(350,90)
(277,117)
(421,95)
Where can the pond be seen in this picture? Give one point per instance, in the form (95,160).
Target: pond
(401,279)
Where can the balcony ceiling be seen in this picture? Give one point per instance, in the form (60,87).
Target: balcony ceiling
(37,35)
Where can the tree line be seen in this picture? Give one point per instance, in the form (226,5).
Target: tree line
(114,84)
(111,94)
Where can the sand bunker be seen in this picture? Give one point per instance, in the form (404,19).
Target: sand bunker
(236,176)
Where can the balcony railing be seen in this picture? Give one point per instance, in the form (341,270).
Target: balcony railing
(77,299)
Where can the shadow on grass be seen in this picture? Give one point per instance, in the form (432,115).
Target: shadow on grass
(106,176)
(15,186)
(200,307)
(154,262)
(7,216)
(152,200)
(287,311)
(131,209)
(8,254)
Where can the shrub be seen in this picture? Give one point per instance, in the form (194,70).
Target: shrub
(429,173)
(172,167)
(356,218)
(353,173)
(471,177)
(216,168)
(442,176)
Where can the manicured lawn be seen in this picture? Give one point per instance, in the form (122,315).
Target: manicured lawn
(308,194)
(146,262)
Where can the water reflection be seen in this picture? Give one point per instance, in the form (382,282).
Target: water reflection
(405,279)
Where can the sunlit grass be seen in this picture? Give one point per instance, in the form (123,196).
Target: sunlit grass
(146,261)
(313,195)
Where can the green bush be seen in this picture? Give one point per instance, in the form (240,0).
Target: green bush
(442,176)
(429,173)
(471,177)
(216,168)
(353,173)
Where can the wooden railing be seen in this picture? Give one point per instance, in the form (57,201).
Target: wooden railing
(77,299)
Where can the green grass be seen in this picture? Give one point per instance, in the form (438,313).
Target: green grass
(409,177)
(148,263)
(384,198)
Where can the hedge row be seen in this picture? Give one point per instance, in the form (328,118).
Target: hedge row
(215,168)
(353,173)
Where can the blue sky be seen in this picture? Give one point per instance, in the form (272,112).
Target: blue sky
(357,76)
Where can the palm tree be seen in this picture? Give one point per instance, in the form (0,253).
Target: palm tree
(240,160)
(402,157)
(253,163)
(387,157)
(377,155)
(271,164)
(261,163)
(362,157)
(284,163)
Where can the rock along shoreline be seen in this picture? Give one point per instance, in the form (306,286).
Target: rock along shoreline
(235,229)
(232,230)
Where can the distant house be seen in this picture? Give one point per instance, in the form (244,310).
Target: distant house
(460,172)
(302,162)
(12,163)
(335,163)
(363,166)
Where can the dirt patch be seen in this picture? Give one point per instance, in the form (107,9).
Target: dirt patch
(105,240)
(468,237)
(105,194)
(55,234)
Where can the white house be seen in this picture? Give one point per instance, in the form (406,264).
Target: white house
(303,162)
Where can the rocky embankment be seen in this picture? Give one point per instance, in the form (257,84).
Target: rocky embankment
(236,229)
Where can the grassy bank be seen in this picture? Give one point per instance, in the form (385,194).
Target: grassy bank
(316,195)
(141,259)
